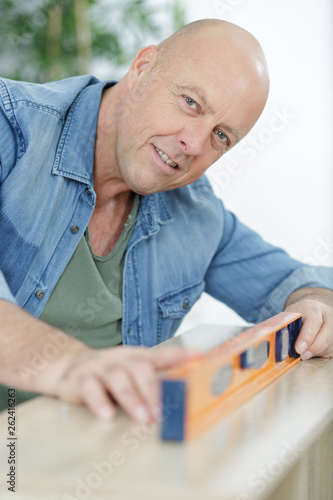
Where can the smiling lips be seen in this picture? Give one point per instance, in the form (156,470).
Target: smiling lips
(166,159)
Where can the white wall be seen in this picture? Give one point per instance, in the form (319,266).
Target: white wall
(279,179)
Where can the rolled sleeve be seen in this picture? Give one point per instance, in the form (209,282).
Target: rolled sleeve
(8,154)
(8,142)
(303,277)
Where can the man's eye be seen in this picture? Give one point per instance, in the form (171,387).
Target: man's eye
(190,102)
(221,136)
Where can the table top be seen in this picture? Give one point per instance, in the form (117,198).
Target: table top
(63,453)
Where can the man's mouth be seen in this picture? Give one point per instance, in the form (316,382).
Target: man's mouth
(165,158)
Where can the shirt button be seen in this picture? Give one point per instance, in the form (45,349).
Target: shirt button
(186,304)
(40,294)
(75,229)
(87,191)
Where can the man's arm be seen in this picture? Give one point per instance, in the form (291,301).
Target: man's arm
(316,306)
(37,357)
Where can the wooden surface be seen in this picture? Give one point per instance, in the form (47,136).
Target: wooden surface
(277,446)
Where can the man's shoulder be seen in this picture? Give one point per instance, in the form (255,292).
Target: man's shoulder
(57,95)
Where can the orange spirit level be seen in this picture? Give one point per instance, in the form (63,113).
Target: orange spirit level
(198,393)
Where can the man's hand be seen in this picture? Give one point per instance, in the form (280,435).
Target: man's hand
(36,357)
(128,375)
(316,336)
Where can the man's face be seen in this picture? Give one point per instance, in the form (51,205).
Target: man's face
(176,122)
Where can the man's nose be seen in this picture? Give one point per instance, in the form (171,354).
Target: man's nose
(194,138)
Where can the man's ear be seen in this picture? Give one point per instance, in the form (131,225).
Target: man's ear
(142,64)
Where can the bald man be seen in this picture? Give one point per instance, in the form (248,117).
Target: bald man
(110,232)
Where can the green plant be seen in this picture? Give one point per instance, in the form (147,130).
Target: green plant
(43,40)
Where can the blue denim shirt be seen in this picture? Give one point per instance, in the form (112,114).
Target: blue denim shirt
(184,240)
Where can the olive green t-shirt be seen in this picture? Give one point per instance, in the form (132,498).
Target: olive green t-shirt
(87,300)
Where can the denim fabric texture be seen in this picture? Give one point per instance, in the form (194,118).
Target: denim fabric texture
(184,240)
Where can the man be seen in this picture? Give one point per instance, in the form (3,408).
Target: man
(109,231)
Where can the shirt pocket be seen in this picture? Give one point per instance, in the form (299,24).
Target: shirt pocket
(173,306)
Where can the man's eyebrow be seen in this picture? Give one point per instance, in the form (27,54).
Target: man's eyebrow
(198,91)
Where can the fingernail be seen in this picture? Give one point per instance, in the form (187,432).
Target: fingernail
(106,413)
(141,413)
(307,355)
(302,347)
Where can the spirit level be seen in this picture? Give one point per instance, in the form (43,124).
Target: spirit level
(198,393)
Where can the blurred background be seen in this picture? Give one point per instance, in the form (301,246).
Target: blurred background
(279,179)
(44,40)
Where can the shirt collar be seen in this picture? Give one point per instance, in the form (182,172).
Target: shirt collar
(75,155)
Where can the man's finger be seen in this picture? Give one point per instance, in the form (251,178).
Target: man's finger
(147,383)
(311,324)
(121,386)
(96,398)
(323,343)
(170,356)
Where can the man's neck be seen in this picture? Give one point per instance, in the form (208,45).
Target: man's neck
(108,181)
(114,199)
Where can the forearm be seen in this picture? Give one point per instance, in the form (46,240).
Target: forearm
(323,295)
(39,358)
(33,353)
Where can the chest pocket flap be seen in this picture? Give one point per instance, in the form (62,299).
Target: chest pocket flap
(179,302)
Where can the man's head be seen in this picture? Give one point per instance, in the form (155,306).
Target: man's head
(185,103)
